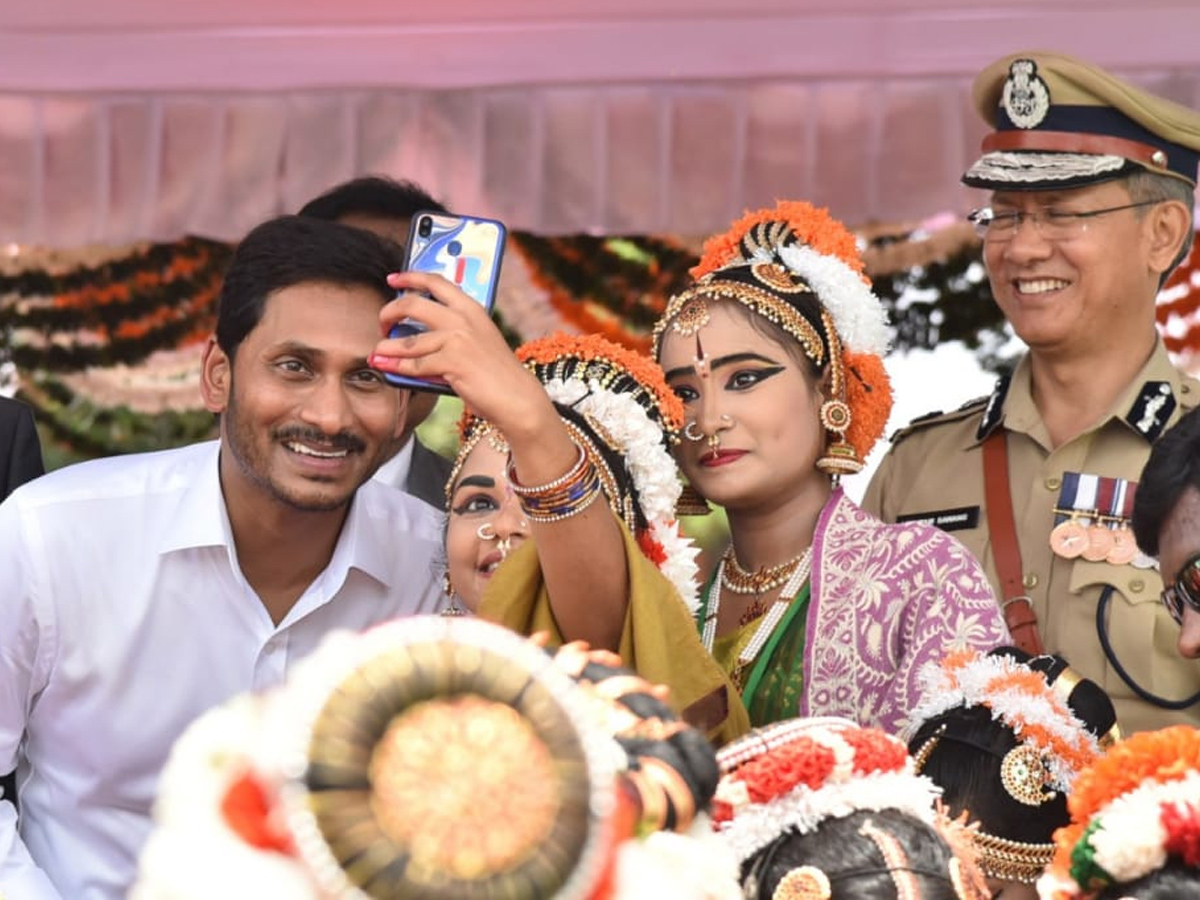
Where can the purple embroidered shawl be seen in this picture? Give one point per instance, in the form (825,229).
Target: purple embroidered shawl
(887,599)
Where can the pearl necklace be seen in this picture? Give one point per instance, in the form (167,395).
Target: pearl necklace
(768,622)
(737,580)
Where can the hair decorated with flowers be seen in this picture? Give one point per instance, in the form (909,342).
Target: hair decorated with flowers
(1019,697)
(618,400)
(359,777)
(796,774)
(768,259)
(1133,810)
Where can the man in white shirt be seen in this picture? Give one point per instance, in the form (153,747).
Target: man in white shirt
(387,207)
(139,591)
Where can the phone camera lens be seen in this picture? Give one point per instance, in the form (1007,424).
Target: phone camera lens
(425,226)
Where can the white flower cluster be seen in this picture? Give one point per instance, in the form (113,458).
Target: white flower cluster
(858,314)
(650,467)
(693,866)
(193,854)
(1131,840)
(980,682)
(802,809)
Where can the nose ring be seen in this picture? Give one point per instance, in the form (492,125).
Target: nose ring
(714,441)
(692,432)
(486,532)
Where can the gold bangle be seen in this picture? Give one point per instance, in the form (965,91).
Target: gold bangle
(671,783)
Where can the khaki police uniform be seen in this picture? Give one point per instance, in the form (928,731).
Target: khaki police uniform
(934,471)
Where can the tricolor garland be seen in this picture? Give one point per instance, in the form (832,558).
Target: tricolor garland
(1132,810)
(1017,696)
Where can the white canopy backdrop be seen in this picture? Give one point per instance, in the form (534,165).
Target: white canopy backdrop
(144,119)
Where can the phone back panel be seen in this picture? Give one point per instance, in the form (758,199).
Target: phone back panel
(463,249)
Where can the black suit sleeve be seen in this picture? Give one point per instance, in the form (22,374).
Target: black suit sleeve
(20,451)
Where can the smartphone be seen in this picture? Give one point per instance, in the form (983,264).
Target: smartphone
(465,250)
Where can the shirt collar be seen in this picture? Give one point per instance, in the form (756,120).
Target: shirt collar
(202,520)
(395,471)
(1145,406)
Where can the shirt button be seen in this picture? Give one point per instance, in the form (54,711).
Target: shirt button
(1053,483)
(1030,580)
(1137,585)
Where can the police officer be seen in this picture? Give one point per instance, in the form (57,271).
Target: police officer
(1091,208)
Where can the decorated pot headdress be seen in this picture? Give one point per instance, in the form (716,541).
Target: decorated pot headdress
(1033,722)
(620,410)
(438,758)
(800,268)
(790,777)
(1135,809)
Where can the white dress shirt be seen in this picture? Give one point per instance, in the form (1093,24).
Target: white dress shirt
(124,615)
(394,472)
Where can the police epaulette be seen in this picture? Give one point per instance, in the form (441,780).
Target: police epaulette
(937,417)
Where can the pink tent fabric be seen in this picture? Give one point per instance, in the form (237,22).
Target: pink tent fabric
(143,119)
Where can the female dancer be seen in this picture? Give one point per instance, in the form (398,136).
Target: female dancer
(817,608)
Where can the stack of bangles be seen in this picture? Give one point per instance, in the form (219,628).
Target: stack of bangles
(563,497)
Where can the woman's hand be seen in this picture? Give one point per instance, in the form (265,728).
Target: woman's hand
(463,347)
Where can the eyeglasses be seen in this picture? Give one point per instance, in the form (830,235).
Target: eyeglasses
(1185,592)
(1052,224)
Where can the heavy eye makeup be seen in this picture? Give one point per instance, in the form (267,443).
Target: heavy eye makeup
(475,494)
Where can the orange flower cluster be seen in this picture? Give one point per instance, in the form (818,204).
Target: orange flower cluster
(651,549)
(1165,755)
(181,266)
(1077,753)
(808,763)
(1181,822)
(246,809)
(812,225)
(592,347)
(869,395)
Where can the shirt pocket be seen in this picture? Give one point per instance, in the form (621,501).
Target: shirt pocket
(1141,633)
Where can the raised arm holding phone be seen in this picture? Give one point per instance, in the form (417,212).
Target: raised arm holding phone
(562,499)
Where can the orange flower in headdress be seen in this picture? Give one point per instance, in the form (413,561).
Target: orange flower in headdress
(810,224)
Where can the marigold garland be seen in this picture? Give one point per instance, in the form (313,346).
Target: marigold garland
(644,370)
(813,225)
(869,396)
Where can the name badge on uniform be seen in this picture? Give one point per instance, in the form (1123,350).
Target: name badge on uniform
(956,519)
(1091,520)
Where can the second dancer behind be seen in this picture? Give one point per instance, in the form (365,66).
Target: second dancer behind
(562,498)
(817,608)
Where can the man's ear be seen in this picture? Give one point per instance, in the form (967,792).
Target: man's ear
(1171,227)
(216,376)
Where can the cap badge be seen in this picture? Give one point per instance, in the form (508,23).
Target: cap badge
(1026,98)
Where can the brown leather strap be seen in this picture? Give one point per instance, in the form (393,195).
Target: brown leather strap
(1006,551)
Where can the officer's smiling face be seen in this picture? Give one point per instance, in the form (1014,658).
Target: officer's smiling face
(1088,291)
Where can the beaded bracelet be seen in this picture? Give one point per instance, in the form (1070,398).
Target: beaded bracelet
(566,496)
(571,474)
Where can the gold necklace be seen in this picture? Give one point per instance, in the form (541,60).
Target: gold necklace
(737,580)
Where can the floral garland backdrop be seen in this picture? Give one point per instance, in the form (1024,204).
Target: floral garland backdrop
(103,342)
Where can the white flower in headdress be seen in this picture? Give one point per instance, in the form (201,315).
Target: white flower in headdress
(650,466)
(858,314)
